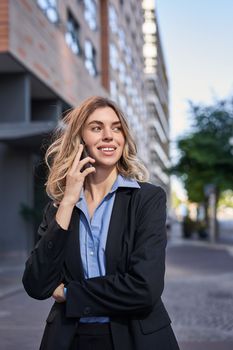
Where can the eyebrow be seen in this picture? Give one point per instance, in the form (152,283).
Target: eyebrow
(101,123)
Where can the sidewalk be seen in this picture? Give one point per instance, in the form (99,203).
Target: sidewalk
(199,292)
(11,272)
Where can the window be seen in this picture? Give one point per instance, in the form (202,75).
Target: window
(113,20)
(90,58)
(122,41)
(122,101)
(114,90)
(90,13)
(129,110)
(72,35)
(122,72)
(49,7)
(133,34)
(114,58)
(128,56)
(128,82)
(128,20)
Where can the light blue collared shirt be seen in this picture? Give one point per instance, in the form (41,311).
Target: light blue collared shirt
(93,234)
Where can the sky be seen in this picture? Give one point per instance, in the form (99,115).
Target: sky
(197,41)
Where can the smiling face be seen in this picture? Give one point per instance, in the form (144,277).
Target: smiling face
(104,137)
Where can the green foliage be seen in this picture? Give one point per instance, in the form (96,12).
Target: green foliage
(175,200)
(207,153)
(226,199)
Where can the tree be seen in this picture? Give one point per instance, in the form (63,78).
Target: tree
(226,199)
(206,154)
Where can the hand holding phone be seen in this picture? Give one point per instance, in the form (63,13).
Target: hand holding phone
(85,154)
(74,183)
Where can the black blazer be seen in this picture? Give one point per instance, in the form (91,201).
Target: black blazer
(130,293)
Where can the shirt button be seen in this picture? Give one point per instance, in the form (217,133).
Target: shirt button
(50,245)
(91,252)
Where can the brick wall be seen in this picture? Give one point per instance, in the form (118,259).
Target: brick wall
(4,25)
(40,45)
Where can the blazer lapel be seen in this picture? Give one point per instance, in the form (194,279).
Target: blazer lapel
(117,227)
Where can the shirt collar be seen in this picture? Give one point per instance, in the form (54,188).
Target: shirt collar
(120,181)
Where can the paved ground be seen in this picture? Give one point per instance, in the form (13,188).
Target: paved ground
(21,322)
(198,296)
(199,293)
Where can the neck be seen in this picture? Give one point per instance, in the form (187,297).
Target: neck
(97,185)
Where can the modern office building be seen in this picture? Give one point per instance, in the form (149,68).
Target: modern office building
(157,99)
(53,55)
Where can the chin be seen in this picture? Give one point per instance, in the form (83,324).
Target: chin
(106,164)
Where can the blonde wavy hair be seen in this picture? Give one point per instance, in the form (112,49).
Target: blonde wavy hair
(67,136)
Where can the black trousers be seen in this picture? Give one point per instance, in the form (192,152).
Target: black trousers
(93,336)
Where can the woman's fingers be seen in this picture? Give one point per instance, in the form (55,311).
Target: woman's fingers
(58,293)
(76,177)
(77,163)
(85,161)
(77,157)
(88,171)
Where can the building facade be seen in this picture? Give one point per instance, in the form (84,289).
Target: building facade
(157,98)
(53,55)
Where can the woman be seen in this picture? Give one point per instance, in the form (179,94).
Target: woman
(101,254)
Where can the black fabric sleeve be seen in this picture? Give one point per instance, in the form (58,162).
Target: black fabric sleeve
(43,269)
(137,290)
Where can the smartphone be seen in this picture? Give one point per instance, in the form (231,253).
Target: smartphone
(85,154)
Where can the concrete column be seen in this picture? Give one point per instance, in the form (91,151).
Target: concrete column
(16,188)
(14,98)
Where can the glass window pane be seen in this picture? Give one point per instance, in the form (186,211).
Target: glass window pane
(90,13)
(72,34)
(114,59)
(113,19)
(90,58)
(42,4)
(52,15)
(49,7)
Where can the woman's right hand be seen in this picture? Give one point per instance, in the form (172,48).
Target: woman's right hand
(76,176)
(74,183)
